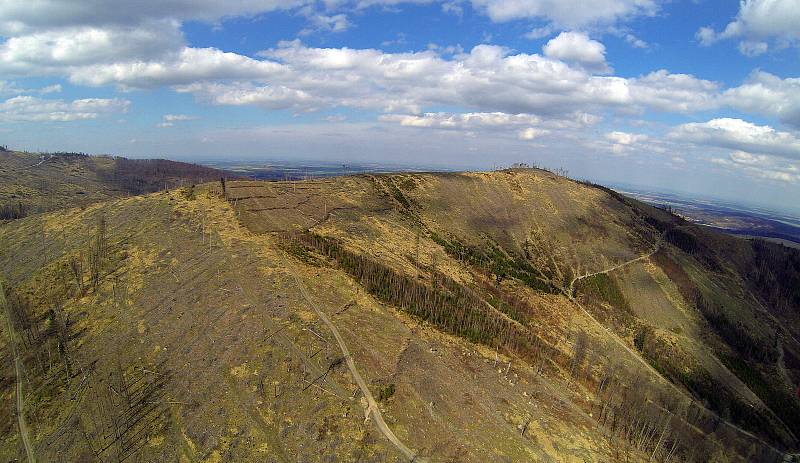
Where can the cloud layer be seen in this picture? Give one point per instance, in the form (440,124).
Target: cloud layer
(33,109)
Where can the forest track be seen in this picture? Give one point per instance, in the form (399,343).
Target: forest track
(24,433)
(372,408)
(570,293)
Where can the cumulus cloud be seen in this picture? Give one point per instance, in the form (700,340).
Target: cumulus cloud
(462,121)
(757,21)
(739,135)
(749,48)
(625,138)
(532,133)
(768,94)
(634,41)
(624,142)
(528,126)
(143,47)
(51,51)
(577,47)
(47,37)
(539,32)
(11,88)
(187,66)
(664,91)
(33,109)
(488,78)
(566,13)
(247,94)
(761,166)
(320,22)
(22,16)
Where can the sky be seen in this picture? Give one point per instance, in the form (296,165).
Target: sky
(696,96)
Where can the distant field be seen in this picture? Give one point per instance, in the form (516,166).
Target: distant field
(735,219)
(294,170)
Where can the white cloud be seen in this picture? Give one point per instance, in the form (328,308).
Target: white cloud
(11,88)
(245,94)
(169,120)
(187,66)
(53,37)
(623,142)
(29,108)
(51,51)
(635,42)
(462,121)
(751,49)
(532,133)
(567,13)
(683,93)
(757,21)
(22,16)
(739,135)
(320,22)
(539,32)
(55,88)
(496,122)
(178,117)
(578,48)
(760,166)
(625,138)
(767,94)
(706,36)
(486,79)
(472,123)
(143,47)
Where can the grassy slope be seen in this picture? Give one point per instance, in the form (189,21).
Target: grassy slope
(231,329)
(457,216)
(226,325)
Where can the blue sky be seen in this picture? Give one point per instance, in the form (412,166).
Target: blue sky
(695,96)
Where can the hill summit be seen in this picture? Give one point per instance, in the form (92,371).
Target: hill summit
(510,316)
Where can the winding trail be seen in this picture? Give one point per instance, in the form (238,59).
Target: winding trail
(657,247)
(20,401)
(570,293)
(372,404)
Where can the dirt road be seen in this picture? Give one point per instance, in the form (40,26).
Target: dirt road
(639,359)
(20,401)
(373,408)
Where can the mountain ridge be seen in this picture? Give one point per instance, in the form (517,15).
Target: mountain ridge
(461,272)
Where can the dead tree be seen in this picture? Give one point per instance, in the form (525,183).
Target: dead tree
(579,353)
(76,265)
(98,253)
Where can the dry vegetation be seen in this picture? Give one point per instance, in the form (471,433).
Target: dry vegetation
(168,326)
(31,183)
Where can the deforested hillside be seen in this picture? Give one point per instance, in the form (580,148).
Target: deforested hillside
(504,316)
(36,182)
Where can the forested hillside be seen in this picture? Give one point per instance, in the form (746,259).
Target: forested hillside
(36,182)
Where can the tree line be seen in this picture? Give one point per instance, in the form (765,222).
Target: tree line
(139,176)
